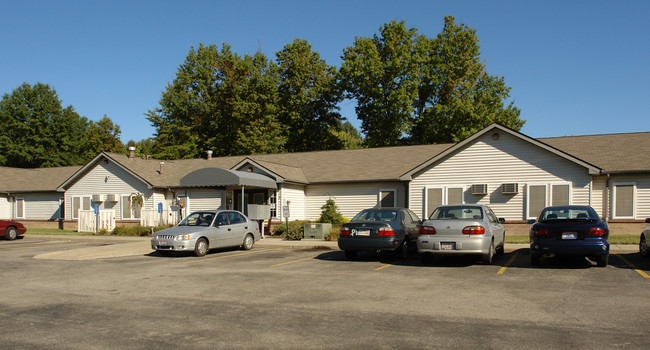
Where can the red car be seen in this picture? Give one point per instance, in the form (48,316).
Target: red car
(12,229)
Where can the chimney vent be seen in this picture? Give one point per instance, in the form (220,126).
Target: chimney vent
(162,167)
(209,154)
(132,153)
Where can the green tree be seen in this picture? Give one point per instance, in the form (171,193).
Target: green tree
(330,213)
(457,97)
(308,99)
(349,137)
(219,101)
(381,73)
(36,131)
(102,136)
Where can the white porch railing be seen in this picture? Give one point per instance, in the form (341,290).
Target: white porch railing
(151,217)
(87,221)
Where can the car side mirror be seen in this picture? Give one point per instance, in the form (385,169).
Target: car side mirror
(530,222)
(502,220)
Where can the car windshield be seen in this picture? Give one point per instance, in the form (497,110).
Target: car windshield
(376,215)
(566,213)
(457,212)
(197,219)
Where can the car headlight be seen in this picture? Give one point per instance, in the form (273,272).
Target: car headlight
(182,237)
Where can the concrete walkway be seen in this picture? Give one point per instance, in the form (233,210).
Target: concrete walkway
(118,246)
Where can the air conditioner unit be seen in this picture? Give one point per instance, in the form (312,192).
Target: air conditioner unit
(98,198)
(512,188)
(479,189)
(112,197)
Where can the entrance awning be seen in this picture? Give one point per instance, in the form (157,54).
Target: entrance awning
(211,177)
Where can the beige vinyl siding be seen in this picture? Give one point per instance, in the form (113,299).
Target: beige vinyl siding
(204,199)
(5,208)
(599,195)
(296,195)
(41,206)
(642,193)
(349,198)
(107,179)
(495,162)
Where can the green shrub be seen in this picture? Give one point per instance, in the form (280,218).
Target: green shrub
(141,231)
(330,213)
(296,229)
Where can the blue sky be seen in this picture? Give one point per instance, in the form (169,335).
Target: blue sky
(575,67)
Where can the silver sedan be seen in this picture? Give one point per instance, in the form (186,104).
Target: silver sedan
(461,229)
(205,230)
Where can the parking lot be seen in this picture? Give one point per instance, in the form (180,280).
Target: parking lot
(273,297)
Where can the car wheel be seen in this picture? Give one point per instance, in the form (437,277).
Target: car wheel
(403,250)
(201,247)
(248,242)
(487,258)
(601,260)
(643,247)
(535,259)
(350,254)
(426,258)
(501,249)
(11,233)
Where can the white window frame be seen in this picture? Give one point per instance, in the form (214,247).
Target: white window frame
(394,190)
(549,194)
(623,183)
(273,202)
(22,200)
(75,215)
(445,196)
(62,208)
(132,212)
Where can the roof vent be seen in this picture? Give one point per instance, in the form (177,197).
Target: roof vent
(209,154)
(162,167)
(512,188)
(131,153)
(479,189)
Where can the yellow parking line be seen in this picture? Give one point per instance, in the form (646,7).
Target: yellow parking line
(383,267)
(645,275)
(227,256)
(291,262)
(503,269)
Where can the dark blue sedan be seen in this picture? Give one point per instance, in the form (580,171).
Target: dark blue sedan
(569,230)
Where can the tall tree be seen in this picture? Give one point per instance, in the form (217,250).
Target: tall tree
(36,131)
(102,136)
(219,101)
(457,97)
(381,73)
(308,99)
(349,137)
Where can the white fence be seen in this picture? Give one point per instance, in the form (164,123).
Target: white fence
(88,221)
(151,217)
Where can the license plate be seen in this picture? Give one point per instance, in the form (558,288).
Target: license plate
(363,233)
(162,243)
(569,235)
(447,245)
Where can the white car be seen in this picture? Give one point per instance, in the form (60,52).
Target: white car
(459,230)
(205,230)
(643,242)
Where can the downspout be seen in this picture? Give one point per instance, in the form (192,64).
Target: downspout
(406,195)
(607,198)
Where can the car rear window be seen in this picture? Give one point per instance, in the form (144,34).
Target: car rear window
(457,212)
(376,215)
(552,214)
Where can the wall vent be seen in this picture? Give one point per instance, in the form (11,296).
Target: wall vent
(510,188)
(479,189)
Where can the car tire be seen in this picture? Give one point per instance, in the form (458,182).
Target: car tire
(601,260)
(501,249)
(643,247)
(248,242)
(350,254)
(426,258)
(489,257)
(403,250)
(201,247)
(535,259)
(11,233)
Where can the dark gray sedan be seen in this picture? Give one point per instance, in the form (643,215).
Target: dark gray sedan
(205,230)
(380,229)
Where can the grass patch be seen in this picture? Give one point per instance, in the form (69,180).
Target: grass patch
(55,231)
(613,239)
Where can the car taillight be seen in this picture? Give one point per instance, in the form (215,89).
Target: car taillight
(345,231)
(596,232)
(427,230)
(385,231)
(543,232)
(473,230)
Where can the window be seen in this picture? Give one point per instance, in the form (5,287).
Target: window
(235,218)
(62,208)
(540,196)
(20,208)
(437,196)
(79,203)
(129,213)
(229,201)
(272,201)
(624,198)
(387,198)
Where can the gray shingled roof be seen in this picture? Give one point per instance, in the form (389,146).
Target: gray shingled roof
(34,180)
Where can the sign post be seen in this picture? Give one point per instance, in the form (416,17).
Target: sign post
(96,210)
(285,213)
